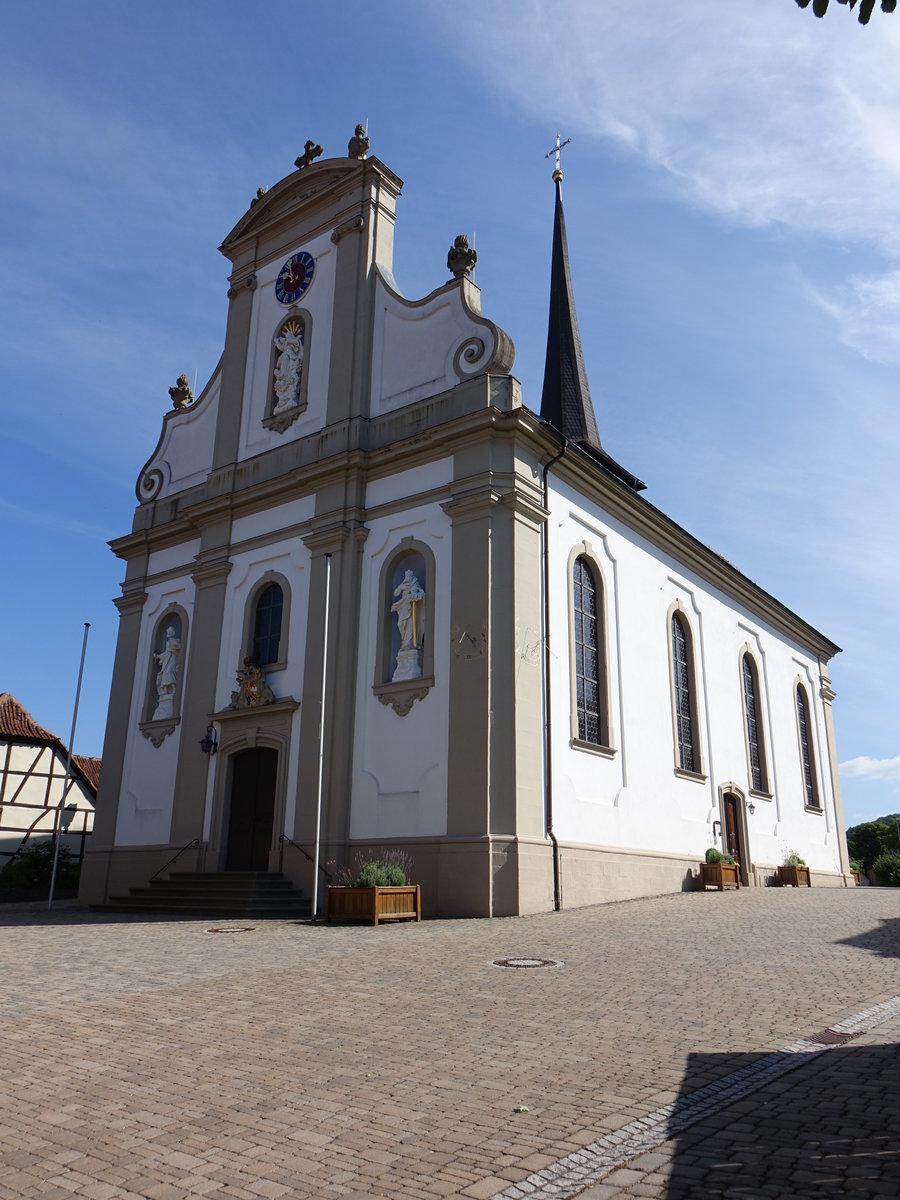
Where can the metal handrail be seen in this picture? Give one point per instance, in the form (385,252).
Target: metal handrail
(191,844)
(283,837)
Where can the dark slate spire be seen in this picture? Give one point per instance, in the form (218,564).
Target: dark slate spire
(566,399)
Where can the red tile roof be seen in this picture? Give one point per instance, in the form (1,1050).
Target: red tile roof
(90,769)
(17,723)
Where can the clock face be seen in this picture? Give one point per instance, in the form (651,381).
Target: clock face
(295,278)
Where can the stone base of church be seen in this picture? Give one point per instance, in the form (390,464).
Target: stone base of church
(462,877)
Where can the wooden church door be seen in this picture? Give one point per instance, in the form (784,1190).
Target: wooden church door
(733,829)
(251,810)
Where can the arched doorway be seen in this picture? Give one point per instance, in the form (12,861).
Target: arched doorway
(734,829)
(251,809)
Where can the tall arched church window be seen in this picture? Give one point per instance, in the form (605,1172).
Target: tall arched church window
(288,371)
(586,607)
(267,625)
(807,752)
(753,716)
(683,684)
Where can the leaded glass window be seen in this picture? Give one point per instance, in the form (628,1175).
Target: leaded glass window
(812,798)
(267,625)
(682,680)
(757,779)
(587,654)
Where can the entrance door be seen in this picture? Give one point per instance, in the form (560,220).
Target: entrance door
(251,810)
(733,841)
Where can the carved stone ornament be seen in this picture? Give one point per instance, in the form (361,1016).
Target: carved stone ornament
(253,691)
(460,259)
(157,731)
(287,377)
(181,394)
(310,151)
(260,192)
(402,701)
(358,146)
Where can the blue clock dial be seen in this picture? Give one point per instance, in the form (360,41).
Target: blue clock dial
(295,278)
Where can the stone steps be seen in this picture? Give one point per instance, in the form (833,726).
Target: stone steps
(215,894)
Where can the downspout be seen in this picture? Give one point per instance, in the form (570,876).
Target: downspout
(548,749)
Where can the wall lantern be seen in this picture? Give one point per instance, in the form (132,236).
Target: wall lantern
(209,744)
(751,808)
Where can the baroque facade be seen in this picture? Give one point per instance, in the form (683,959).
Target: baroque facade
(536,683)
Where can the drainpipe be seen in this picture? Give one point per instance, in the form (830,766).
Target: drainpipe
(548,748)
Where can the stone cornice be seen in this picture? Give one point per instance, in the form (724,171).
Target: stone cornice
(130,602)
(210,572)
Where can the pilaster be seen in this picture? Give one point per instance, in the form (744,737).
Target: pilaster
(119,720)
(201,670)
(234,369)
(827,696)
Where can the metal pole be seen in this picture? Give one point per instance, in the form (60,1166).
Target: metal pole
(57,823)
(315,886)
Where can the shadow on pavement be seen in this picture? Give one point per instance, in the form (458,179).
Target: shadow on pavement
(829,1128)
(883,940)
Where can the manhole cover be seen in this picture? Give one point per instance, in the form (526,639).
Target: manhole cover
(234,929)
(831,1037)
(525,963)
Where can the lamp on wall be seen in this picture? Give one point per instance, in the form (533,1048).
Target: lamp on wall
(209,744)
(751,808)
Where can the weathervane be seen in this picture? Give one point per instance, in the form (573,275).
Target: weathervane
(557,173)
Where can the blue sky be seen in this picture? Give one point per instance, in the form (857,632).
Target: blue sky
(732,194)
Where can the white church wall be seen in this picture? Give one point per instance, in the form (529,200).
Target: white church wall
(636,799)
(268,313)
(184,455)
(171,558)
(400,762)
(148,776)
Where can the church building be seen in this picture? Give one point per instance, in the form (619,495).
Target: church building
(373,590)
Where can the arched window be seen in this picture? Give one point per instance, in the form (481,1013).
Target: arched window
(683,687)
(589,684)
(756,750)
(807,752)
(267,625)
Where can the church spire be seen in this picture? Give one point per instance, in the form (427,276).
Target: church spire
(566,399)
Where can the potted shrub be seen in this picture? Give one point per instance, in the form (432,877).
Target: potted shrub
(375,889)
(719,871)
(794,872)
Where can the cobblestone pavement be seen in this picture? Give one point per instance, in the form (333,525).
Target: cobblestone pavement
(156,1059)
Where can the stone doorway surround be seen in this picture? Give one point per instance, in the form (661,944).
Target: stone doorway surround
(734,827)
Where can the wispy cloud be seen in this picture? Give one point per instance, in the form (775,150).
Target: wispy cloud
(866,309)
(871,768)
(751,111)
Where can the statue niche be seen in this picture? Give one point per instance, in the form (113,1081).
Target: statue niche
(409,609)
(287,390)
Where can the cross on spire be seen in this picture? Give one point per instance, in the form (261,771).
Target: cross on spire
(557,173)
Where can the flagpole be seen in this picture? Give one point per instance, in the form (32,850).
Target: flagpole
(315,886)
(57,823)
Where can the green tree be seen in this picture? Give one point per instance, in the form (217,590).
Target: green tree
(870,840)
(866,7)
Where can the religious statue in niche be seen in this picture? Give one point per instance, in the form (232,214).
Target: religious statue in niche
(253,690)
(409,608)
(288,367)
(167,674)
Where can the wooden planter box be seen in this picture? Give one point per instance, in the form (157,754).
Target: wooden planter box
(794,876)
(374,904)
(856,878)
(720,875)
